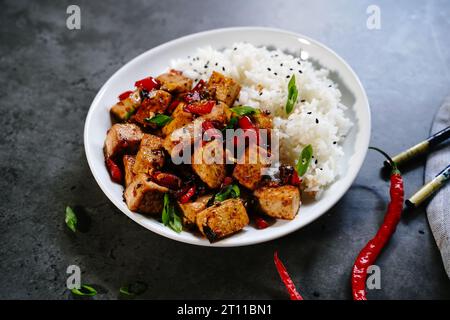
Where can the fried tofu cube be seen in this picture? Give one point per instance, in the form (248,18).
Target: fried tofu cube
(209,164)
(123,110)
(122,138)
(220,113)
(180,118)
(222,219)
(280,202)
(144,196)
(191,209)
(157,102)
(128,163)
(250,167)
(263,120)
(175,82)
(150,156)
(223,88)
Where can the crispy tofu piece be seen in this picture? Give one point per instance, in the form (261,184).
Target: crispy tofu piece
(263,120)
(222,219)
(157,102)
(150,156)
(144,196)
(180,118)
(220,113)
(280,202)
(128,163)
(250,166)
(175,82)
(223,88)
(123,110)
(191,209)
(122,138)
(209,164)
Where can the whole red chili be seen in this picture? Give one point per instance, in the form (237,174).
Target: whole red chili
(125,95)
(284,275)
(168,180)
(261,223)
(370,252)
(147,84)
(114,171)
(200,108)
(188,195)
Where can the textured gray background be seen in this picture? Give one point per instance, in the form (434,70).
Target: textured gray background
(49,76)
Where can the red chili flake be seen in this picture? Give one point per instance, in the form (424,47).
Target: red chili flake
(261,223)
(200,108)
(295,179)
(188,195)
(114,171)
(125,95)
(148,84)
(286,278)
(227,181)
(173,105)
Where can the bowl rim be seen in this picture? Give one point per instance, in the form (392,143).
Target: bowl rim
(358,161)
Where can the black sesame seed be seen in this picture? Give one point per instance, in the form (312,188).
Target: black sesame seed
(303,100)
(298,62)
(216,63)
(268,69)
(275,73)
(321,168)
(300,71)
(234,48)
(281,64)
(276,55)
(309,112)
(317,120)
(291,69)
(196,80)
(316,161)
(288,76)
(334,142)
(260,93)
(206,66)
(195,70)
(223,68)
(329,86)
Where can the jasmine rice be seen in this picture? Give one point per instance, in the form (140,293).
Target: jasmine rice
(318,117)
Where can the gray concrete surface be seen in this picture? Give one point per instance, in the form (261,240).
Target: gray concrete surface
(49,76)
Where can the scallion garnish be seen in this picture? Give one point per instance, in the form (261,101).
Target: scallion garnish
(230,191)
(304,160)
(84,291)
(292,95)
(71,219)
(244,110)
(160,120)
(169,216)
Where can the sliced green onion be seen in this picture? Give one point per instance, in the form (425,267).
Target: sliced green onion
(292,95)
(71,219)
(244,110)
(84,291)
(169,216)
(160,120)
(304,160)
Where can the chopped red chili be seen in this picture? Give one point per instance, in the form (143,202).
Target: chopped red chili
(173,105)
(200,108)
(284,275)
(227,181)
(295,179)
(261,223)
(147,84)
(245,123)
(125,95)
(114,171)
(370,252)
(188,195)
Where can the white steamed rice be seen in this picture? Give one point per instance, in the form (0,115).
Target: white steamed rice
(318,117)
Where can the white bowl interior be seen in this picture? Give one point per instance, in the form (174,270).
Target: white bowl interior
(156,61)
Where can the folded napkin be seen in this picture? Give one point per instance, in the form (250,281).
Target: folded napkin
(438,210)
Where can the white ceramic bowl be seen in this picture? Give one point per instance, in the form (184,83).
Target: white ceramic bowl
(156,61)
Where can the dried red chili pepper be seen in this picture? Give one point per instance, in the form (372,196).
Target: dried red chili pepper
(295,179)
(200,108)
(125,95)
(188,195)
(227,181)
(261,223)
(168,180)
(284,275)
(114,171)
(173,105)
(370,252)
(245,123)
(147,84)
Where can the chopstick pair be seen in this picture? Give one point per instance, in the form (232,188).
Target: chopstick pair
(420,149)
